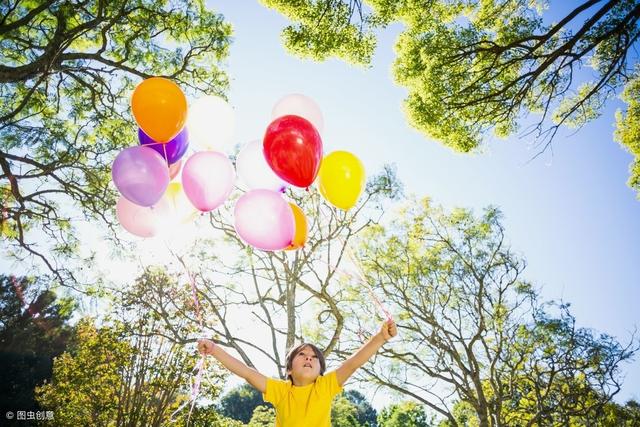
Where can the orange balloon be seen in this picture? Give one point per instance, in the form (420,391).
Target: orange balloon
(300,236)
(160,108)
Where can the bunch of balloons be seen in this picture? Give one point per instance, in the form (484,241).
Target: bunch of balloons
(290,154)
(150,202)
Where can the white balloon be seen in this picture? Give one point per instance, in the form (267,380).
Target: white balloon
(254,171)
(299,105)
(211,123)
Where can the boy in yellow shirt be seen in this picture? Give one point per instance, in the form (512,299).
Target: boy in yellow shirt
(304,400)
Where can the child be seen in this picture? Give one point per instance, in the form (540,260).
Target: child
(304,400)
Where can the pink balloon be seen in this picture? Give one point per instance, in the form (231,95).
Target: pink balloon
(138,220)
(264,220)
(141,175)
(207,179)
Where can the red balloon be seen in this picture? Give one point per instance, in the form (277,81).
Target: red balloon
(293,149)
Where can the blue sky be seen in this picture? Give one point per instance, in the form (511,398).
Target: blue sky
(568,212)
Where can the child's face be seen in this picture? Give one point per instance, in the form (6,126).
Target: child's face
(305,365)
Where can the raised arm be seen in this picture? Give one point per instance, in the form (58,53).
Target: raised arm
(370,348)
(253,377)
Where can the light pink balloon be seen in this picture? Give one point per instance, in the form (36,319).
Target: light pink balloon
(207,179)
(299,105)
(264,220)
(140,174)
(138,220)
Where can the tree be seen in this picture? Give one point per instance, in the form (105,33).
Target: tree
(472,67)
(630,413)
(612,415)
(405,414)
(343,412)
(34,329)
(263,416)
(365,413)
(110,377)
(240,403)
(474,331)
(67,70)
(86,380)
(464,415)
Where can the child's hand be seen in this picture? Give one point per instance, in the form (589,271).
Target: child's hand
(388,330)
(205,346)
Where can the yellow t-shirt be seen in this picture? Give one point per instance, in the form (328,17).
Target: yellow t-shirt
(306,406)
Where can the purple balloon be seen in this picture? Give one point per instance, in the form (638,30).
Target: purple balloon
(172,150)
(141,175)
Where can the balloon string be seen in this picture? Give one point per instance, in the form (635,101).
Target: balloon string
(363,279)
(200,366)
(360,272)
(194,291)
(166,158)
(195,390)
(164,149)
(154,143)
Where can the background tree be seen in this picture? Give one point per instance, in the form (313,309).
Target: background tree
(111,377)
(344,412)
(474,67)
(263,416)
(67,69)
(464,415)
(405,414)
(365,413)
(472,330)
(240,403)
(86,380)
(34,329)
(629,414)
(612,415)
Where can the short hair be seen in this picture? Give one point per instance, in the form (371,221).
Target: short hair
(295,350)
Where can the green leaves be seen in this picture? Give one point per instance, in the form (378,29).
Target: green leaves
(241,403)
(323,29)
(263,416)
(405,414)
(628,128)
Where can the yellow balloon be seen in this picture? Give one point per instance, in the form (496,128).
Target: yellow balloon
(341,179)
